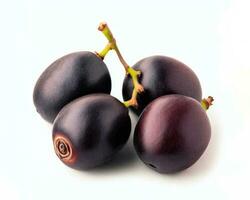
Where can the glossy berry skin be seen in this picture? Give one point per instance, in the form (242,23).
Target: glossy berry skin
(90,131)
(162,75)
(69,77)
(172,133)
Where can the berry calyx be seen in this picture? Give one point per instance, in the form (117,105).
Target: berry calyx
(64,149)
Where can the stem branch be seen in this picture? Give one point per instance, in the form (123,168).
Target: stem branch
(138,88)
(207,102)
(104,52)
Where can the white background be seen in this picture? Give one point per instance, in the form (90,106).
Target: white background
(212,37)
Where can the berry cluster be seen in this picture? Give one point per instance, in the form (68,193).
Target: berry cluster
(90,126)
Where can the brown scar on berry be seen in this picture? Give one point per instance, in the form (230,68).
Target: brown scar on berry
(64,149)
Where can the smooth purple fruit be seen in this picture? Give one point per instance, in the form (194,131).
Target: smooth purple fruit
(69,77)
(162,75)
(172,133)
(90,131)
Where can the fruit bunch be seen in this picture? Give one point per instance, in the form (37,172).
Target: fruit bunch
(90,126)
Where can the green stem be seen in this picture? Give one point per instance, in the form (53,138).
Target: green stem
(104,52)
(207,102)
(138,88)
